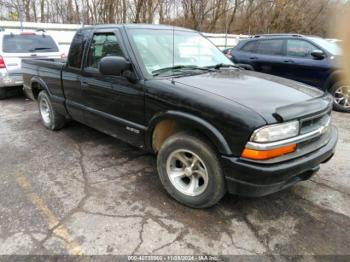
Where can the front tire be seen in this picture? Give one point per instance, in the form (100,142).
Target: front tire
(190,171)
(50,118)
(341,96)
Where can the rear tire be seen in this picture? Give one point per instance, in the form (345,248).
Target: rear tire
(341,95)
(49,116)
(190,171)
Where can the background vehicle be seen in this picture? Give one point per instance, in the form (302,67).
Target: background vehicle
(191,106)
(228,52)
(16,46)
(307,59)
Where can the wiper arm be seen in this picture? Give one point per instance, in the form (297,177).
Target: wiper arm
(166,69)
(221,65)
(188,67)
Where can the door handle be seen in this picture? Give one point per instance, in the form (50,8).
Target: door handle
(289,61)
(253,58)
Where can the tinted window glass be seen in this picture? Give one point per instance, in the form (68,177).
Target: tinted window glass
(249,47)
(270,47)
(299,48)
(77,49)
(28,43)
(102,45)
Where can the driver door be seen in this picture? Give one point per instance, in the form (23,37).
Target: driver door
(113,104)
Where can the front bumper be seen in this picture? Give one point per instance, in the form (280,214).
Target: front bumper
(253,180)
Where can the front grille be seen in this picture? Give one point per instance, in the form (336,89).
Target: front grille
(314,123)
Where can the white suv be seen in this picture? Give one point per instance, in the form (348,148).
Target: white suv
(16,46)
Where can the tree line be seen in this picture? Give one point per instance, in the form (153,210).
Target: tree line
(218,16)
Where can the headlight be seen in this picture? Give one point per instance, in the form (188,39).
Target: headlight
(276,132)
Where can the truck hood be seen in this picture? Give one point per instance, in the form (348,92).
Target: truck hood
(272,97)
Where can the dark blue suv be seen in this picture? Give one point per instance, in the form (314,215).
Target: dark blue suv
(307,59)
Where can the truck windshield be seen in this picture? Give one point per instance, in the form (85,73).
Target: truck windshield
(189,50)
(28,44)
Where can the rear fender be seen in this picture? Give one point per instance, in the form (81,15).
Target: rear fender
(57,102)
(38,80)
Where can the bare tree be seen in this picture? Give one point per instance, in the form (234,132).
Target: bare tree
(232,16)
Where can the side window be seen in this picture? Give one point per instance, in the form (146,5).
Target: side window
(77,49)
(270,47)
(249,47)
(299,48)
(103,44)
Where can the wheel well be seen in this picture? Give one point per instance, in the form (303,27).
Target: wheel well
(36,88)
(169,127)
(334,78)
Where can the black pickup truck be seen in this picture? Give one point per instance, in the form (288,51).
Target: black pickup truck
(214,127)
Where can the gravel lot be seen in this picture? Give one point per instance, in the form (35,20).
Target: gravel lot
(78,191)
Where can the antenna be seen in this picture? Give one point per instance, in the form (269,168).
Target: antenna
(174,15)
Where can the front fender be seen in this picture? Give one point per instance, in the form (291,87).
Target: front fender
(195,122)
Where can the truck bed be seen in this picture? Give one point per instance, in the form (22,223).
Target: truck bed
(46,72)
(32,63)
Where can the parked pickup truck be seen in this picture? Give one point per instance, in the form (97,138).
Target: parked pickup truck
(214,127)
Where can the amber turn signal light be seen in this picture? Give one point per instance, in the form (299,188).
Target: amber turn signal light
(267,154)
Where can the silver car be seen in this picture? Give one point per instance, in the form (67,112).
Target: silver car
(16,46)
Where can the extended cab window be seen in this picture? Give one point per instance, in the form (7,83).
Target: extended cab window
(103,44)
(77,48)
(270,47)
(300,48)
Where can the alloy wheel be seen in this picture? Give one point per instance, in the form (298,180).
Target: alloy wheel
(45,111)
(187,172)
(342,96)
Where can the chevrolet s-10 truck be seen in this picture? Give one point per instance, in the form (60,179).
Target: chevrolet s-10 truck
(214,127)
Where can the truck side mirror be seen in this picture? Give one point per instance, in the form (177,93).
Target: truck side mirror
(113,65)
(318,54)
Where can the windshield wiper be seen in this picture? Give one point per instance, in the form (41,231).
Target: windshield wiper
(221,65)
(39,48)
(179,67)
